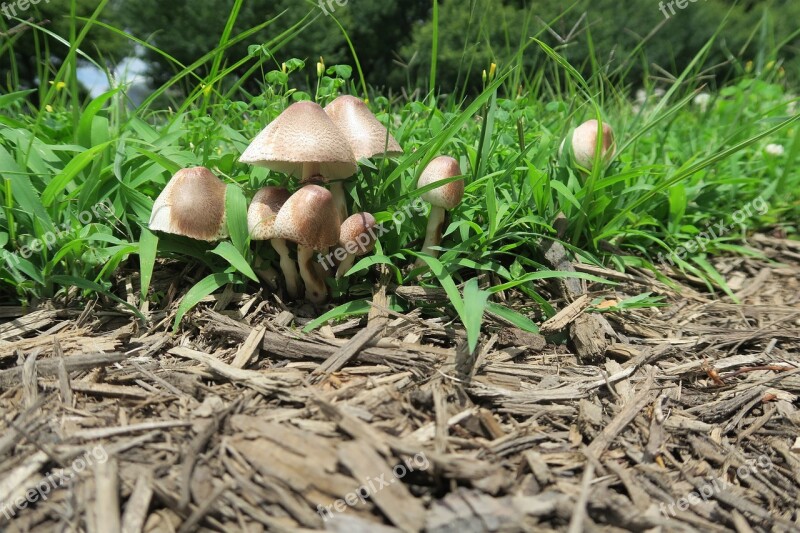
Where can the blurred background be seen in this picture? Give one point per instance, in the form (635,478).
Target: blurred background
(634,43)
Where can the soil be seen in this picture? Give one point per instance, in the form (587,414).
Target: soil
(681,417)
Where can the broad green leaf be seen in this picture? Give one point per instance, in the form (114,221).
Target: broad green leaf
(203,288)
(227,251)
(148,248)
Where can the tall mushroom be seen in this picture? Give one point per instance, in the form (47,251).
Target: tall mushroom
(261,222)
(443,198)
(584,143)
(356,237)
(302,142)
(193,205)
(309,218)
(367,136)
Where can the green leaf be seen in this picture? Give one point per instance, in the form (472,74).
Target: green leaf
(474,305)
(148,247)
(445,281)
(513,317)
(203,288)
(227,251)
(236,213)
(354,308)
(59,183)
(70,281)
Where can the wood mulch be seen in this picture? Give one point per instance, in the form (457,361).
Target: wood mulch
(676,418)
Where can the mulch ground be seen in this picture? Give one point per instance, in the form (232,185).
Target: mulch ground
(688,421)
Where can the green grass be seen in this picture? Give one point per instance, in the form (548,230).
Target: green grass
(678,170)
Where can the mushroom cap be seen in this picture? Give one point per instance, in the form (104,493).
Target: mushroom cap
(584,142)
(193,205)
(449,195)
(310,218)
(356,229)
(303,133)
(263,210)
(366,135)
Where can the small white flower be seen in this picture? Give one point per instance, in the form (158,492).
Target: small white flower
(775,150)
(659,92)
(702,101)
(641,96)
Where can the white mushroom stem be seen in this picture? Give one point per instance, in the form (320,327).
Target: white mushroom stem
(309,171)
(265,271)
(337,190)
(287,267)
(433,234)
(345,265)
(316,289)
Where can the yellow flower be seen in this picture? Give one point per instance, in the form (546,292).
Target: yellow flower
(492,71)
(320,67)
(748,67)
(48,108)
(60,85)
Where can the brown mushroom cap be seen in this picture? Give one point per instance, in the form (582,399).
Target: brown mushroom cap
(302,134)
(263,210)
(449,195)
(356,230)
(366,135)
(309,218)
(193,205)
(584,143)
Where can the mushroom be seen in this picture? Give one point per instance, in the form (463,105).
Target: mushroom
(367,136)
(584,143)
(303,142)
(261,223)
(442,198)
(309,218)
(193,205)
(356,238)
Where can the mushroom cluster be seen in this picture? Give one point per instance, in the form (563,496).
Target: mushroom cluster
(319,147)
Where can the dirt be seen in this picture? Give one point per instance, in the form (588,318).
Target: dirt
(687,421)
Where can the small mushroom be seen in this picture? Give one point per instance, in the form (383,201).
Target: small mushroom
(584,143)
(193,205)
(443,198)
(367,136)
(309,218)
(356,237)
(261,222)
(302,142)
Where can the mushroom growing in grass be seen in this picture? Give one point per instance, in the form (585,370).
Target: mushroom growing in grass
(309,218)
(193,205)
(303,142)
(356,238)
(366,135)
(584,143)
(442,199)
(261,217)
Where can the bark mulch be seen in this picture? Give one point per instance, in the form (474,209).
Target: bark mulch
(681,417)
